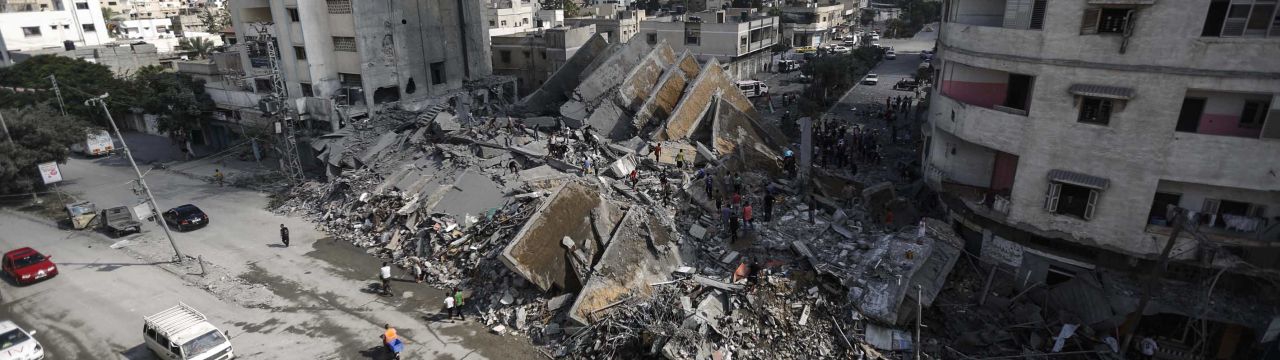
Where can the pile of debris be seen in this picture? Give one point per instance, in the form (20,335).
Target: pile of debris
(605,214)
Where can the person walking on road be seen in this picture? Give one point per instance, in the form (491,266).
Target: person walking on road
(384,273)
(284,235)
(218,178)
(449,304)
(457,304)
(390,340)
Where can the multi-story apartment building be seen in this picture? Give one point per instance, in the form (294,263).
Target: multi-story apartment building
(510,16)
(363,53)
(1066,134)
(738,38)
(531,57)
(809,23)
(614,21)
(146,9)
(52,24)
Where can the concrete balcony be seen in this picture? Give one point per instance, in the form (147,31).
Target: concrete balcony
(808,28)
(992,39)
(1223,161)
(987,127)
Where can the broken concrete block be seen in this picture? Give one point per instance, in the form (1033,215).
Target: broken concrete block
(729,258)
(698,232)
(559,301)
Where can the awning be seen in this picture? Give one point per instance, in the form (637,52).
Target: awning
(1075,178)
(1102,91)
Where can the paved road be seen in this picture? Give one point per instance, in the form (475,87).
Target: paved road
(306,301)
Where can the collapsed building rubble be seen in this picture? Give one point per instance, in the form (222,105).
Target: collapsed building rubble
(583,222)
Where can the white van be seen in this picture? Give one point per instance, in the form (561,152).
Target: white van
(96,142)
(182,333)
(752,88)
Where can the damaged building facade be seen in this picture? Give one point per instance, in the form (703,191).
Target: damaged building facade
(360,54)
(531,57)
(1072,139)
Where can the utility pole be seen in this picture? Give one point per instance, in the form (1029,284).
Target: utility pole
(6,129)
(1153,277)
(919,314)
(291,164)
(58,92)
(155,208)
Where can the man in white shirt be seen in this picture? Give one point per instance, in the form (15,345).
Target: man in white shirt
(384,274)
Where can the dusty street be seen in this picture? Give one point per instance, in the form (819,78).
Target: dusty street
(307,301)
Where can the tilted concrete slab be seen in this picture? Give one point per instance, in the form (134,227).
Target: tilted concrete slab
(557,88)
(640,81)
(602,77)
(612,114)
(667,93)
(641,252)
(697,99)
(536,253)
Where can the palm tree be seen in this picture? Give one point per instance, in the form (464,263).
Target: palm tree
(199,47)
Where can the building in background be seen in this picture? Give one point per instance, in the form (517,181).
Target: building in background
(511,16)
(122,59)
(615,22)
(532,57)
(737,38)
(146,9)
(59,24)
(809,23)
(1067,136)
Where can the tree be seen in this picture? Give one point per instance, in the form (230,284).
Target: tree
(41,134)
(570,7)
(200,47)
(77,79)
(179,100)
(215,20)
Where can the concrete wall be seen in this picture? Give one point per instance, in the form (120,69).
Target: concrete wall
(55,27)
(147,28)
(962,161)
(1194,195)
(1165,59)
(974,86)
(1222,113)
(726,41)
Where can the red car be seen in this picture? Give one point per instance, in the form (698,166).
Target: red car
(26,266)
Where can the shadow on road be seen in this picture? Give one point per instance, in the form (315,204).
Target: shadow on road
(138,352)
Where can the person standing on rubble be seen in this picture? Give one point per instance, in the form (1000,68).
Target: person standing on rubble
(746,215)
(680,159)
(733,227)
(724,217)
(635,177)
(657,152)
(514,168)
(284,235)
(384,273)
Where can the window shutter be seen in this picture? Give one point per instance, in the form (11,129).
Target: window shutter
(1051,199)
(1017,14)
(1093,203)
(1037,14)
(1210,206)
(1089,24)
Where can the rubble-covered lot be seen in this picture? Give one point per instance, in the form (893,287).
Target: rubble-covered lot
(637,207)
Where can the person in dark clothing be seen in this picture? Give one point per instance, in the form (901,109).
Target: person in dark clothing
(284,235)
(768,208)
(513,167)
(733,227)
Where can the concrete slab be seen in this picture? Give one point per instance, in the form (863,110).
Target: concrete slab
(535,252)
(628,266)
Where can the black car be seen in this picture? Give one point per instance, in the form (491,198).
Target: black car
(186,217)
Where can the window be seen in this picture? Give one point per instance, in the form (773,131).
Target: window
(1106,20)
(491,24)
(293,14)
(350,80)
(307,91)
(1037,14)
(339,6)
(300,52)
(506,56)
(31,31)
(1095,110)
(1254,114)
(88,27)
(504,23)
(1070,199)
(263,85)
(343,43)
(437,73)
(1230,18)
(82,6)
(651,38)
(543,53)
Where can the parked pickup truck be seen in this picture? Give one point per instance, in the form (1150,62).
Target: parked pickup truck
(908,85)
(119,221)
